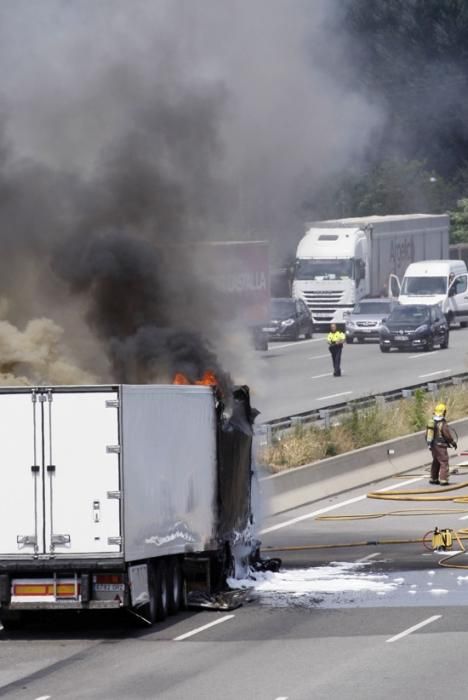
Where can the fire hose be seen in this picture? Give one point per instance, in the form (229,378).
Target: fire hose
(408,495)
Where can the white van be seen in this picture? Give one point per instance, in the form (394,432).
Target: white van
(443,282)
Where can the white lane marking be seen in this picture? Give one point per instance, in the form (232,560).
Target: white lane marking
(319,376)
(333,396)
(283,697)
(464,517)
(405,633)
(203,627)
(318,357)
(422,354)
(307,516)
(369,556)
(432,374)
(44,697)
(297,344)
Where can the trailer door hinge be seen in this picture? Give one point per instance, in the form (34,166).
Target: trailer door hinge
(114,494)
(60,539)
(26,539)
(113,449)
(112,403)
(114,540)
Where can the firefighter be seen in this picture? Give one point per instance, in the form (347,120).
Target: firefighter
(439,438)
(335,341)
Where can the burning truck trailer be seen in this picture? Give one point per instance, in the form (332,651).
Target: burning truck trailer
(134,497)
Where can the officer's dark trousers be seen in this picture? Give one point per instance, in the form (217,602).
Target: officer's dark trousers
(336,351)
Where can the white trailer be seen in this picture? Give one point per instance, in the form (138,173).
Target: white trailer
(119,496)
(338,262)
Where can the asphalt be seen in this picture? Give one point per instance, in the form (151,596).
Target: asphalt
(294,377)
(297,648)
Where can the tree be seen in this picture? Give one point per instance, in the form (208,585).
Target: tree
(459,222)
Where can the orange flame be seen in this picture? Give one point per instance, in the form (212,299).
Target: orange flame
(180,378)
(208,379)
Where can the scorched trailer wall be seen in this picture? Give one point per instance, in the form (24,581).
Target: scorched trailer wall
(114,492)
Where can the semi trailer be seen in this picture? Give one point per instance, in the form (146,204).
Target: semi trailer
(338,262)
(133,497)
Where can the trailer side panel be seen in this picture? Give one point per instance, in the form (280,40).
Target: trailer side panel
(169,470)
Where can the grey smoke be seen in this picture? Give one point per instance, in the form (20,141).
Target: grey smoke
(132,127)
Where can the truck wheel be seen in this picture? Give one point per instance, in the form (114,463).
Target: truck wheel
(175,586)
(162,596)
(384,348)
(156,609)
(449,318)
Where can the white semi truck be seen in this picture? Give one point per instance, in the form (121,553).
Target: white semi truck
(338,262)
(118,497)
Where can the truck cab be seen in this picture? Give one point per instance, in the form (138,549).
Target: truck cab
(331,271)
(443,282)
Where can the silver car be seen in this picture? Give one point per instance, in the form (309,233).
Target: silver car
(365,319)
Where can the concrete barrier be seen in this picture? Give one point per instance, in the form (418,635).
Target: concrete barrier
(313,482)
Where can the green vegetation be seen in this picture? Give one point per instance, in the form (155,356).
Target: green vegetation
(360,428)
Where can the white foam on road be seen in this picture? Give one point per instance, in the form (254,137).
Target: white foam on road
(351,585)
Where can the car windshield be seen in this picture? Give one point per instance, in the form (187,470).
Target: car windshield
(323,269)
(373,308)
(282,308)
(424,286)
(409,314)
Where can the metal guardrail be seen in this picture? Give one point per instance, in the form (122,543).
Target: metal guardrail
(266,432)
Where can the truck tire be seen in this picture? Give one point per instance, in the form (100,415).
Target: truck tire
(449,318)
(162,608)
(156,609)
(175,582)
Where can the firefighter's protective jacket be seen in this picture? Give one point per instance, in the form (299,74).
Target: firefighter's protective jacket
(438,433)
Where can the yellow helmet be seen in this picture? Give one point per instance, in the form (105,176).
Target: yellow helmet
(440,409)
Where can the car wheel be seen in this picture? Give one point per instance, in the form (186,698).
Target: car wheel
(445,343)
(309,332)
(384,348)
(360,340)
(463,324)
(350,341)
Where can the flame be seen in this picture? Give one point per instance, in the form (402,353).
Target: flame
(180,378)
(208,379)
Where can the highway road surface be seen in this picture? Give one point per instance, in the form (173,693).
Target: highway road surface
(369,621)
(295,377)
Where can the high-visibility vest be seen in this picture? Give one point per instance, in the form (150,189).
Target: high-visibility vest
(336,337)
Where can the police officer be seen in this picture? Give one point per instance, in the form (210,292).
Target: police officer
(439,438)
(335,341)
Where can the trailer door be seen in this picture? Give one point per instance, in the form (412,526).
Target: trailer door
(21,523)
(81,472)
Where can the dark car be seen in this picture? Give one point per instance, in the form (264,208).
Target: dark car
(414,326)
(364,321)
(289,319)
